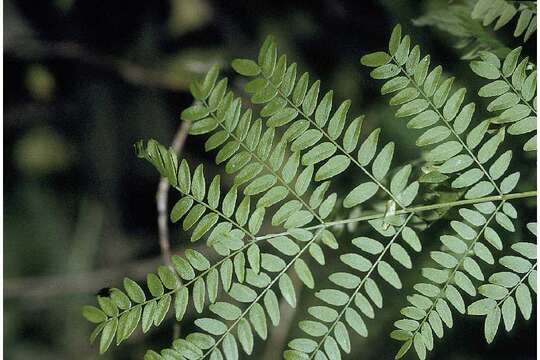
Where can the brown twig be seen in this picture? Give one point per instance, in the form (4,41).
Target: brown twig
(162,197)
(41,287)
(130,72)
(79,283)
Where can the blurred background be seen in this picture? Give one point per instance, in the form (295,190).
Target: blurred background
(84,80)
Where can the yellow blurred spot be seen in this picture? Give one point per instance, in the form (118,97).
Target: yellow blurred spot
(188,15)
(40,82)
(42,151)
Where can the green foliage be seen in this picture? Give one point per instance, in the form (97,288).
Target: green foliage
(507,288)
(502,12)
(340,310)
(433,109)
(427,98)
(457,269)
(514,91)
(470,23)
(470,36)
(280,218)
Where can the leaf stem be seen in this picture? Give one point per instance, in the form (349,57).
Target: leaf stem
(415,209)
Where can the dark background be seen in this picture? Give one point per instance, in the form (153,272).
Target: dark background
(84,80)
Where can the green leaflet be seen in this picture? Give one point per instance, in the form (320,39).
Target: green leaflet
(310,100)
(93,314)
(345,280)
(285,211)
(300,89)
(395,40)
(356,261)
(491,324)
(389,274)
(503,102)
(432,80)
(404,96)
(334,166)
(203,126)
(166,276)
(154,285)
(285,245)
(381,164)
(318,153)
(400,255)
(260,185)
(304,273)
(242,293)
(407,196)
(444,151)
(306,140)
(433,136)
(350,139)
(485,70)
(360,194)
(402,51)
(323,109)
(337,122)
(212,326)
(487,151)
(368,148)
(453,104)
(194,113)
(332,297)
(385,71)
(282,117)
(107,335)
(327,206)
(441,94)
(424,119)
(197,260)
(246,67)
(400,179)
(523,126)
(468,178)
(395,84)
(287,289)
(412,108)
(134,291)
(375,59)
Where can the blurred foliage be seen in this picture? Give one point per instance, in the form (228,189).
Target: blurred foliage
(40,82)
(42,151)
(85,79)
(468,35)
(188,15)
